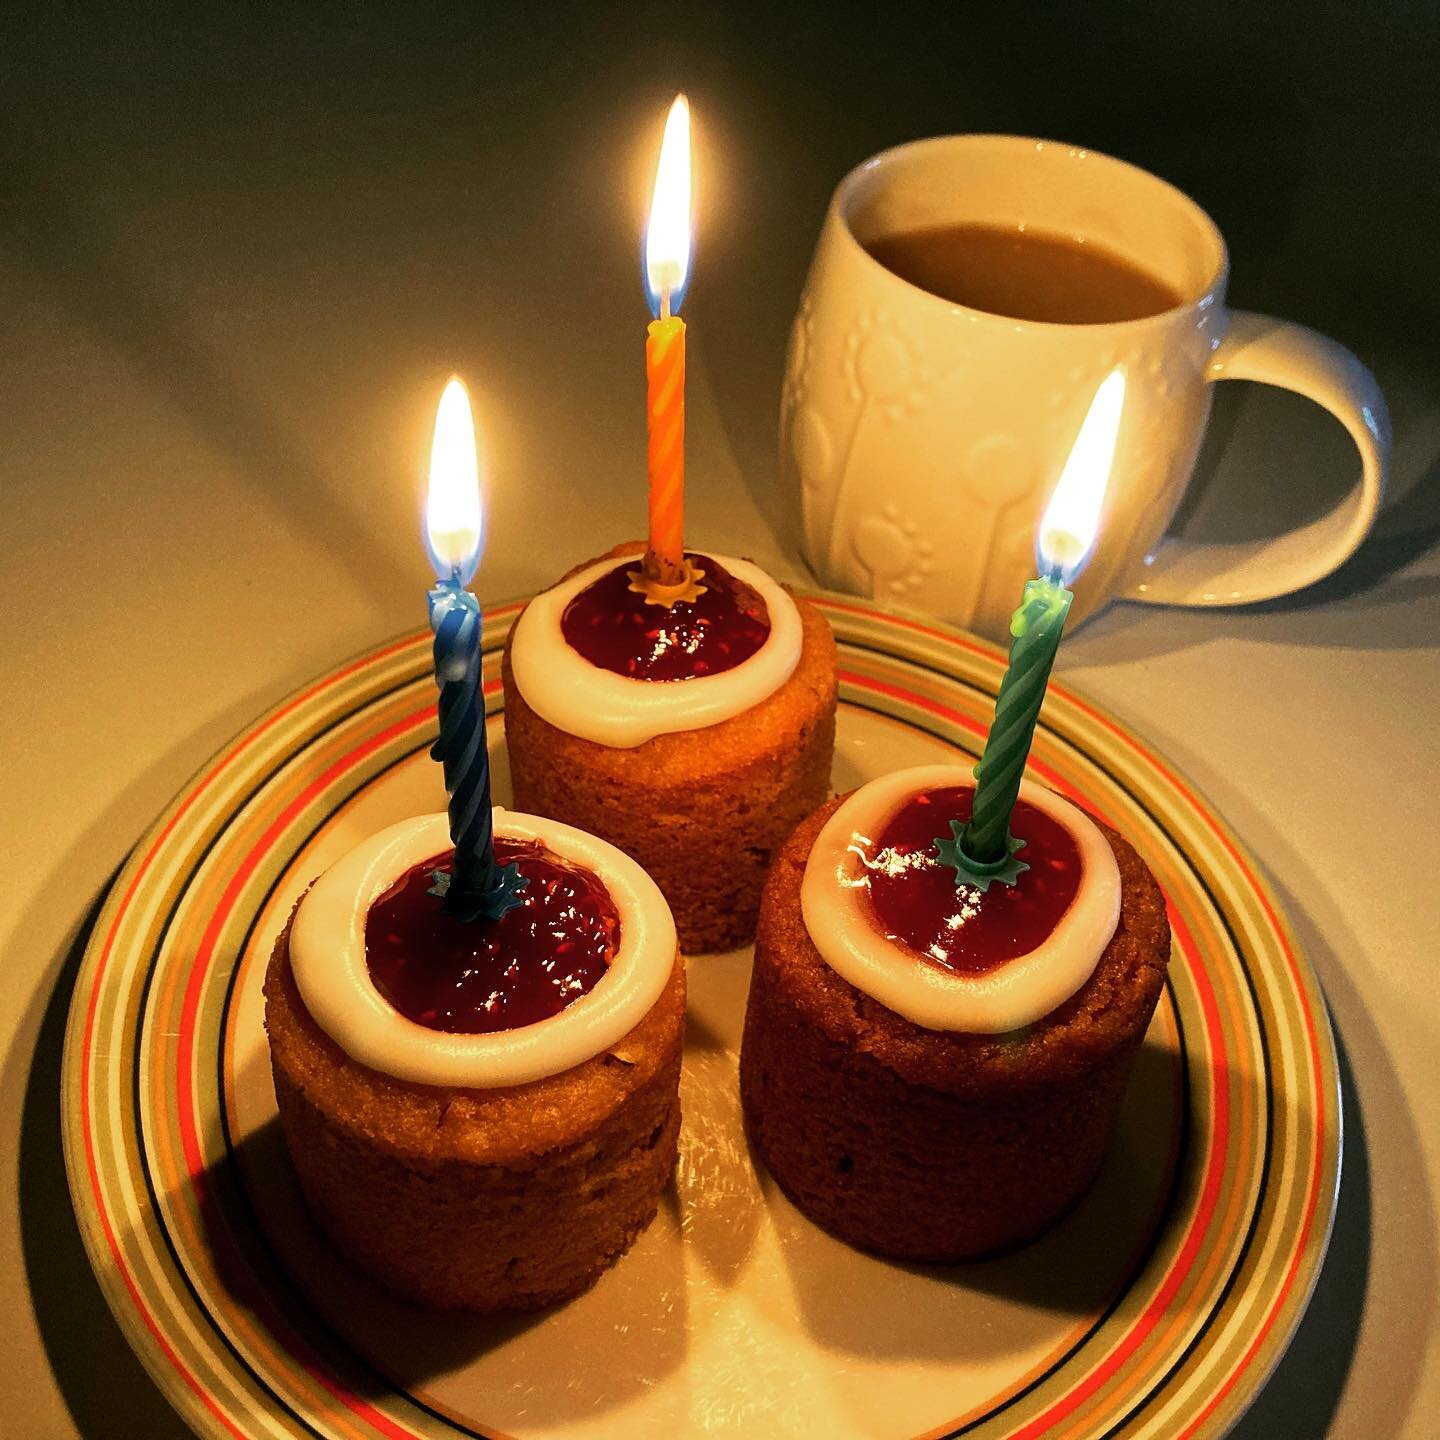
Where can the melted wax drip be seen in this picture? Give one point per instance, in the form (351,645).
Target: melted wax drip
(474,979)
(915,901)
(615,628)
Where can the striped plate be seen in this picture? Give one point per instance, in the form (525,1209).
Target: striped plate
(1156,1309)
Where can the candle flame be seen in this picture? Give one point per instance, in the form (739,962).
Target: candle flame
(453,520)
(667,236)
(1071,522)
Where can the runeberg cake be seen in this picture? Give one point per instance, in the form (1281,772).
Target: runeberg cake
(482,1116)
(931,1072)
(694,736)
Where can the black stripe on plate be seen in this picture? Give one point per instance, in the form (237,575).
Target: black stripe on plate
(251,1215)
(182,891)
(1154,1391)
(329,1336)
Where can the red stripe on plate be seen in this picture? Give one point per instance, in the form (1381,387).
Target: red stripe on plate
(1221,1100)
(971,726)
(145,1315)
(1126,1346)
(960,642)
(1220,1103)
(229,1260)
(1312,1199)
(199,787)
(92,1006)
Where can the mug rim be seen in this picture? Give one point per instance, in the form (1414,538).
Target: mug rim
(1205,297)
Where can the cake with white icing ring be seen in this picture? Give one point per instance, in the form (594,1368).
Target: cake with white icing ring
(694,737)
(482,1115)
(931,1072)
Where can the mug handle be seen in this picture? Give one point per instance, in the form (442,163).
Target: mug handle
(1278,352)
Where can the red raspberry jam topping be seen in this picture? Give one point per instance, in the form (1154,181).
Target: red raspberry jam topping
(916,902)
(495,974)
(617,629)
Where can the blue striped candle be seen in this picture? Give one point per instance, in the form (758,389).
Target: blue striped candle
(477,888)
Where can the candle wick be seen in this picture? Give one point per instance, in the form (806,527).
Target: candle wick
(665,303)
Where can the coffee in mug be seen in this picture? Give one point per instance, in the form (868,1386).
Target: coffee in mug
(1024,273)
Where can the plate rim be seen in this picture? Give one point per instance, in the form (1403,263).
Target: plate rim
(196,1407)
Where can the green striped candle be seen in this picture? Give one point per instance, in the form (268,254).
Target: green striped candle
(985,850)
(1035,630)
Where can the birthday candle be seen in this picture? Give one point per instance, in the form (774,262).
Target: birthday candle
(984,850)
(477,888)
(667,268)
(665,418)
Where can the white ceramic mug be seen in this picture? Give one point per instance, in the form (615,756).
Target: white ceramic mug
(925,437)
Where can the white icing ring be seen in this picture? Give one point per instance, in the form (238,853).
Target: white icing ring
(563,687)
(327,955)
(1019,992)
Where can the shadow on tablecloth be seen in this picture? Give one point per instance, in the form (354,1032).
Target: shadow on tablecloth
(103,1383)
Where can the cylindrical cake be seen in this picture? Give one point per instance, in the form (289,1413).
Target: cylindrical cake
(926,1144)
(702,810)
(483,1198)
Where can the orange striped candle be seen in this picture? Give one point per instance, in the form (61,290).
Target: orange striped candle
(665,417)
(667,267)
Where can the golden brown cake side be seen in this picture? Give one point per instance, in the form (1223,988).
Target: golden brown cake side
(703,811)
(505,1199)
(927,1145)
